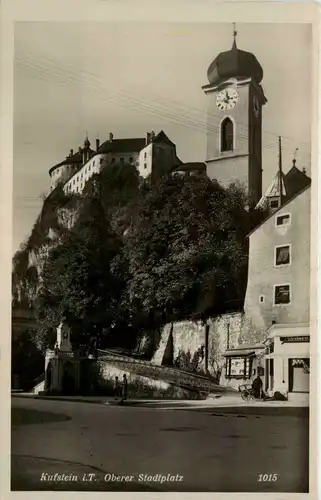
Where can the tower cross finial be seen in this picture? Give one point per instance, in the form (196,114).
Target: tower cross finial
(294,156)
(234,33)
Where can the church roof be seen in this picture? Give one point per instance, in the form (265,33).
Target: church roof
(292,183)
(234,63)
(122,145)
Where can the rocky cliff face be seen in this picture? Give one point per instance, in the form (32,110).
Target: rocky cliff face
(57,215)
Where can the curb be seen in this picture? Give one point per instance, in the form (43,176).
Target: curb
(229,408)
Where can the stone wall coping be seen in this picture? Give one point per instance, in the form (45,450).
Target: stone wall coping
(132,361)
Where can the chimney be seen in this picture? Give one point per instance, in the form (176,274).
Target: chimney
(111,136)
(304,171)
(71,152)
(147,138)
(97,144)
(79,149)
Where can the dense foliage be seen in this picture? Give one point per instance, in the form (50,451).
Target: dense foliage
(77,280)
(27,362)
(141,255)
(187,251)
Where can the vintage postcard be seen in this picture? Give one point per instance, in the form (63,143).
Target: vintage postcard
(163,254)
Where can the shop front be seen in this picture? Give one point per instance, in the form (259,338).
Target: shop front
(287,360)
(242,365)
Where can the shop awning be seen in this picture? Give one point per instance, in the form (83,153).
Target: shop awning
(240,352)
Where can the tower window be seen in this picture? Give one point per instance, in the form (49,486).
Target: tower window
(227,135)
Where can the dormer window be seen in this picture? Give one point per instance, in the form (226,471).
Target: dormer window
(227,135)
(274,203)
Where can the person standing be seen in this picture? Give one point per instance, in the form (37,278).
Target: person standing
(116,388)
(257,387)
(125,387)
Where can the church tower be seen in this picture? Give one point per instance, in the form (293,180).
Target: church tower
(234,120)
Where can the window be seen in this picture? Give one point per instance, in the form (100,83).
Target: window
(131,159)
(145,155)
(283,220)
(77,178)
(282,295)
(94,162)
(145,165)
(227,135)
(261,299)
(239,368)
(101,160)
(74,181)
(113,160)
(282,255)
(274,204)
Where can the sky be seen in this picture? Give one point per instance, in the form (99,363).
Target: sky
(73,78)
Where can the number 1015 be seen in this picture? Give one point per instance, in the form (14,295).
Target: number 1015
(267,477)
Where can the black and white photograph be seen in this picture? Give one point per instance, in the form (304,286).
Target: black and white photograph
(161,256)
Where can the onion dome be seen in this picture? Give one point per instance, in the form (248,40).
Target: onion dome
(234,63)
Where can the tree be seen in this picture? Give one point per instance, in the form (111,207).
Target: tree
(27,362)
(118,186)
(187,250)
(78,282)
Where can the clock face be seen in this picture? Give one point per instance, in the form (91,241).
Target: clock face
(226,99)
(256,106)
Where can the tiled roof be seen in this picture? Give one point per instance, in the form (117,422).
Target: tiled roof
(189,167)
(122,145)
(295,180)
(162,137)
(75,159)
(272,214)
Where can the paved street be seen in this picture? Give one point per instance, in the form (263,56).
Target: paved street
(212,450)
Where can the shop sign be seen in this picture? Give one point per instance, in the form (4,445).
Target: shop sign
(302,338)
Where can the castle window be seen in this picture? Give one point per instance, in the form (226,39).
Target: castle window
(145,165)
(131,159)
(101,160)
(227,135)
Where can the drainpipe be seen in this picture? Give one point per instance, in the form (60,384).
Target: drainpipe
(228,337)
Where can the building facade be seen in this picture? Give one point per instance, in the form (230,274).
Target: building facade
(153,156)
(278,292)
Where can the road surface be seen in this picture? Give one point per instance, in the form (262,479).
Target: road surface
(61,445)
